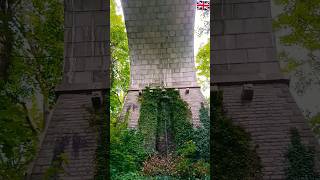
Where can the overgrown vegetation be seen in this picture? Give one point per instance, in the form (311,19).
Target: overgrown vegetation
(120,64)
(233,155)
(100,121)
(300,20)
(127,151)
(165,146)
(203,61)
(315,124)
(300,159)
(31,52)
(163,110)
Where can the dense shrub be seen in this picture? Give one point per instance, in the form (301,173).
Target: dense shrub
(300,160)
(175,167)
(162,114)
(127,152)
(202,135)
(130,176)
(160,165)
(232,153)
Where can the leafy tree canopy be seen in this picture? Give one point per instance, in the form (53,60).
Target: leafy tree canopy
(120,65)
(301,21)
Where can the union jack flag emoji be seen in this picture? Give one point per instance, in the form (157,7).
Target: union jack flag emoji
(203,5)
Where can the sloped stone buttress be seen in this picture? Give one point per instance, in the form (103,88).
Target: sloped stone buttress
(243,54)
(86,76)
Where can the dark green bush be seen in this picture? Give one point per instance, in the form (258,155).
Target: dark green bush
(202,135)
(300,160)
(127,152)
(232,153)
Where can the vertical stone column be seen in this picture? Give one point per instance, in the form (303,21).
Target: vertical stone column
(86,75)
(243,53)
(160,35)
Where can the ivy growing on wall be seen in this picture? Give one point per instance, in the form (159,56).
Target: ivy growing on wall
(99,121)
(202,134)
(164,113)
(300,159)
(233,155)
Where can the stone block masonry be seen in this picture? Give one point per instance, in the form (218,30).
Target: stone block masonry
(160,35)
(69,130)
(86,74)
(194,99)
(243,52)
(86,52)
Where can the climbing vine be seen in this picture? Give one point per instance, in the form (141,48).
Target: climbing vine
(164,110)
(300,159)
(176,148)
(99,121)
(231,147)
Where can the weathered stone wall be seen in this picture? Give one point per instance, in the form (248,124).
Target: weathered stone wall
(86,70)
(268,118)
(243,52)
(160,35)
(243,48)
(69,132)
(86,40)
(194,99)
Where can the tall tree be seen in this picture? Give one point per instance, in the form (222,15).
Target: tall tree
(44,36)
(31,44)
(301,21)
(203,64)
(120,66)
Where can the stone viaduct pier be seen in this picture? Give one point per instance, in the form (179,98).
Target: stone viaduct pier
(160,35)
(244,66)
(86,76)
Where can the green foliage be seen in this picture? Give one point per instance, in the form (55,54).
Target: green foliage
(301,21)
(160,165)
(120,66)
(232,150)
(315,124)
(202,134)
(175,167)
(32,40)
(148,119)
(203,65)
(152,114)
(203,60)
(188,149)
(17,140)
(127,151)
(131,176)
(158,105)
(181,119)
(189,169)
(56,167)
(100,121)
(300,160)
(44,34)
